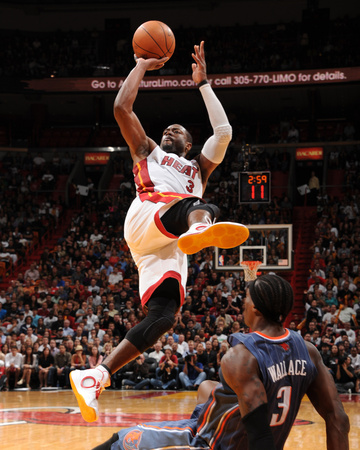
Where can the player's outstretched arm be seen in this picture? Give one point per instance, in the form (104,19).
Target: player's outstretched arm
(215,147)
(241,372)
(134,134)
(324,396)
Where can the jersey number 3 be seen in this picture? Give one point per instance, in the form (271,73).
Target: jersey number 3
(190,186)
(284,395)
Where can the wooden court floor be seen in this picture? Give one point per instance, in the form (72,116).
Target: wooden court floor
(51,419)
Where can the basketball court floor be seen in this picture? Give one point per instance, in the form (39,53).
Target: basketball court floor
(51,419)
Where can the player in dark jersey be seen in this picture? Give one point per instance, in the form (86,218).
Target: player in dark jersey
(263,378)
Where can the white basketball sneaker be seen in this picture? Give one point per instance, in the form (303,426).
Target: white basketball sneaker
(87,386)
(220,234)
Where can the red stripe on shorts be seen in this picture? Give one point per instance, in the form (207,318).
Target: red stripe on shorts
(171,274)
(161,227)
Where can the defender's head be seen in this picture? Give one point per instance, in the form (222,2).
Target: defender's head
(272,296)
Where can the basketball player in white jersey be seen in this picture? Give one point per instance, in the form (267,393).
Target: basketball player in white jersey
(167,220)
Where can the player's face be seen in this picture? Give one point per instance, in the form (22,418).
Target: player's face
(174,140)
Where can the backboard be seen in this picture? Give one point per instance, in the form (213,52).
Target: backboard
(271,244)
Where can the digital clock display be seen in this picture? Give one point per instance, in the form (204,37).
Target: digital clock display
(254,187)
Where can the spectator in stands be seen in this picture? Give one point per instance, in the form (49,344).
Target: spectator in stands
(314,186)
(330,315)
(140,377)
(325,352)
(202,305)
(157,353)
(183,346)
(106,319)
(355,364)
(28,366)
(45,362)
(314,312)
(44,343)
(330,298)
(317,286)
(78,359)
(167,371)
(27,323)
(30,335)
(48,181)
(95,358)
(225,318)
(345,378)
(233,306)
(190,330)
(32,273)
(81,312)
(224,347)
(349,131)
(13,363)
(329,333)
(193,373)
(293,133)
(350,333)
(67,330)
(40,329)
(44,310)
(39,160)
(210,366)
(53,347)
(347,312)
(115,276)
(219,335)
(316,339)
(345,293)
(91,318)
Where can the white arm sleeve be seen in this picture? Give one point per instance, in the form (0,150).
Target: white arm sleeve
(215,147)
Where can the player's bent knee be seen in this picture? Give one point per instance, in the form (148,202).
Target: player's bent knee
(204,390)
(156,329)
(160,319)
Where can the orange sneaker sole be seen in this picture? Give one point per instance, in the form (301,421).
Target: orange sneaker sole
(222,235)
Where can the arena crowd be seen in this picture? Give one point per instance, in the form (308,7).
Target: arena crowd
(69,309)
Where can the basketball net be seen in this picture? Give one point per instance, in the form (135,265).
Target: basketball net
(250,269)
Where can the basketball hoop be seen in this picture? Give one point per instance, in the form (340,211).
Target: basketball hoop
(250,269)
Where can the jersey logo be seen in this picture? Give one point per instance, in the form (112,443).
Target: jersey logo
(284,346)
(185,169)
(132,439)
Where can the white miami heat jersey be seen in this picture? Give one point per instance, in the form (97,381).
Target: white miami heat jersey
(165,173)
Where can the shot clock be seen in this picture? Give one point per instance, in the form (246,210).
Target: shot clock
(254,187)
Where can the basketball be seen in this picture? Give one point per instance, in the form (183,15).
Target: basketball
(153,39)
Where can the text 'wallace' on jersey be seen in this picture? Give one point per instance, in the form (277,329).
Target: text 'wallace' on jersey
(288,368)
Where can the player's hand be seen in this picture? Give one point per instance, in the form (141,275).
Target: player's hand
(151,63)
(199,66)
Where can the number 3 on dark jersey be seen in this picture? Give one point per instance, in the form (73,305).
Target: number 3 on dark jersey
(284,394)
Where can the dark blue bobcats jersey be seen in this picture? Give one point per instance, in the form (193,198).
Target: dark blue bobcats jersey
(286,371)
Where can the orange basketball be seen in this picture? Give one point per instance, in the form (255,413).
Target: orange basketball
(153,39)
